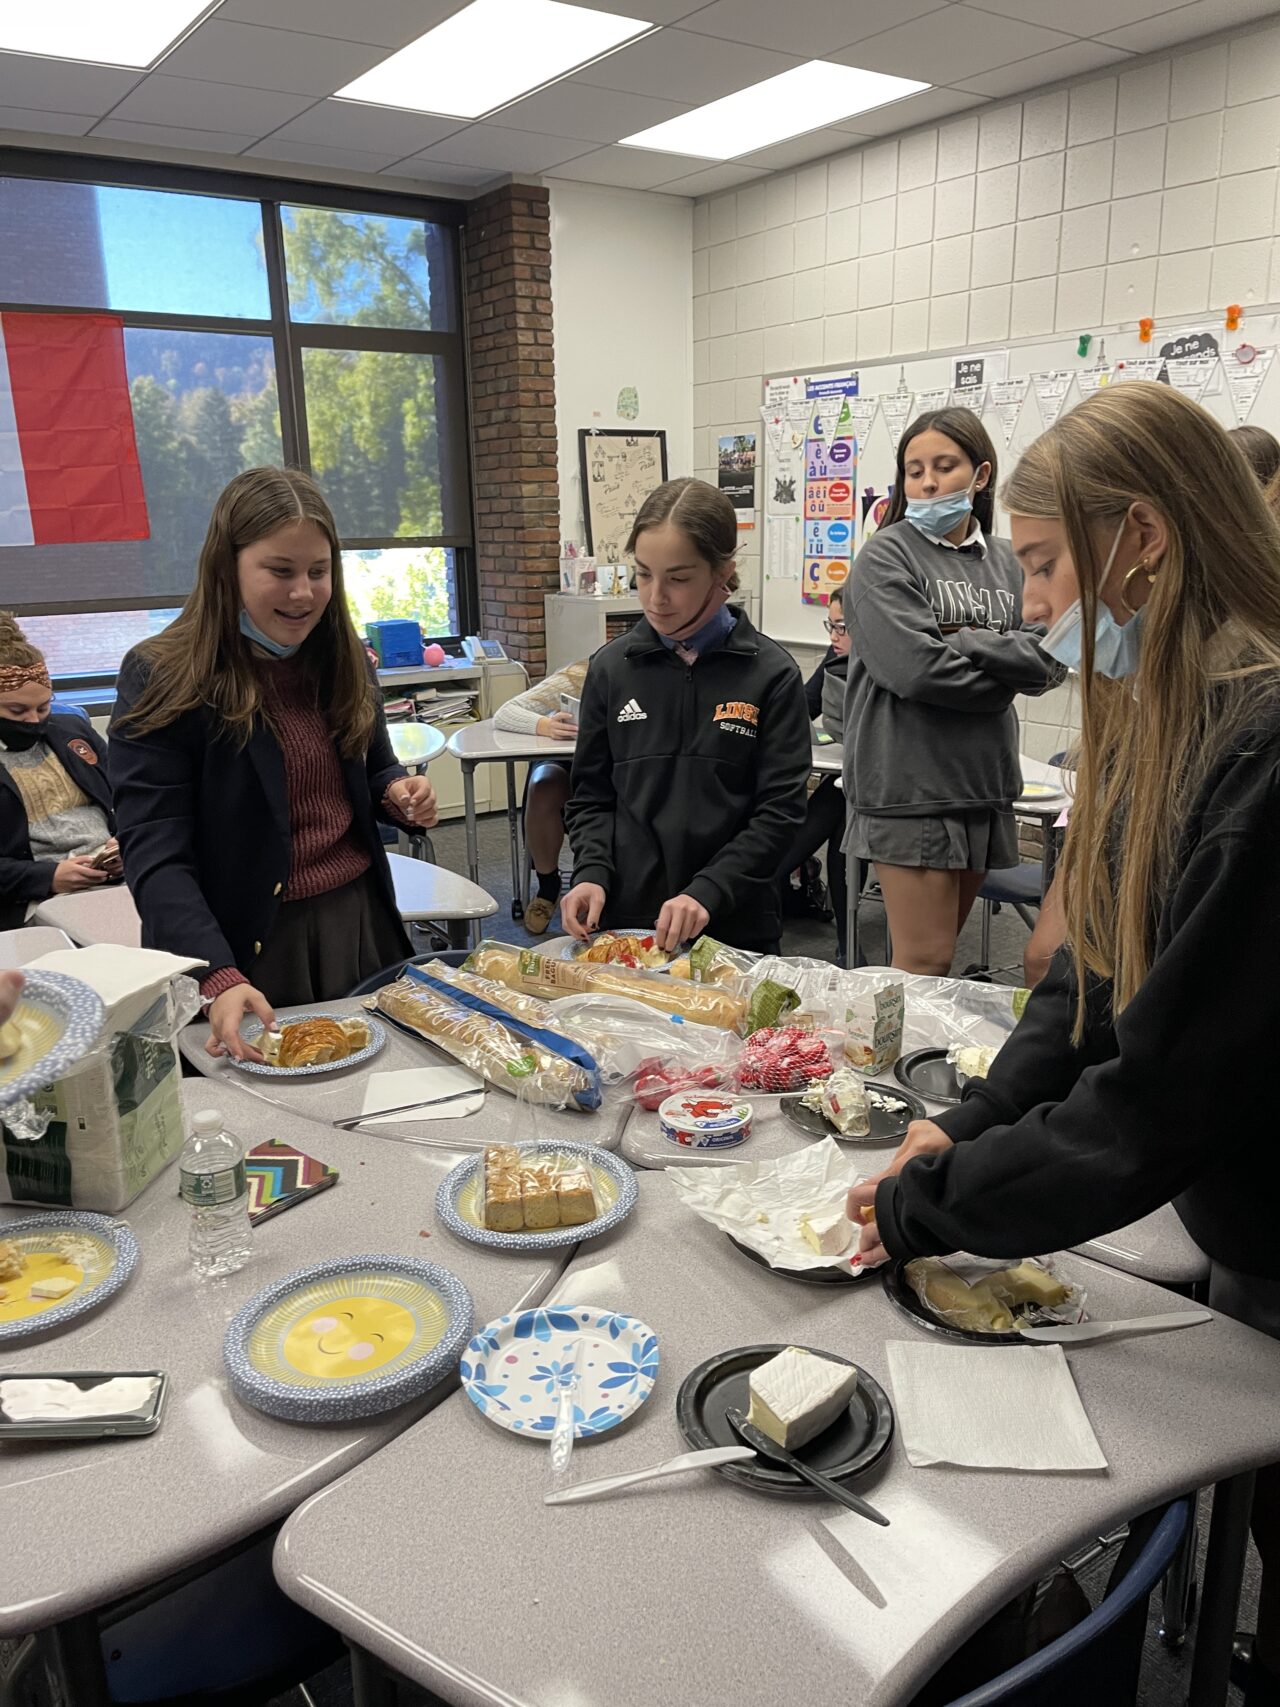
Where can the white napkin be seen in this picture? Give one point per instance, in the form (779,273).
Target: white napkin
(760,1203)
(417,1084)
(991,1407)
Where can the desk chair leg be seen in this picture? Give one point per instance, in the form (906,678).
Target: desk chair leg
(469,812)
(458,932)
(70,1655)
(371,1685)
(984,952)
(1220,1591)
(513,830)
(1176,1597)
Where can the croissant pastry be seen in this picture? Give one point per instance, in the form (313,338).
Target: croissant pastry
(315,1042)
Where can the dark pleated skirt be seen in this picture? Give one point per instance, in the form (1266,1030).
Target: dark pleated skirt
(324,946)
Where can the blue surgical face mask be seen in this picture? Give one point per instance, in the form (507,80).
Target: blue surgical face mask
(1116,646)
(251,631)
(935,517)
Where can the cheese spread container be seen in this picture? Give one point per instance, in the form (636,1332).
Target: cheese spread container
(704,1120)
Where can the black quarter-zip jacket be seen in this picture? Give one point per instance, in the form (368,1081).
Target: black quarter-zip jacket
(690,779)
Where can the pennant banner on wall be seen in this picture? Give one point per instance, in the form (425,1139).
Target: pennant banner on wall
(1051,389)
(862,412)
(897,412)
(970,397)
(1091,379)
(69,472)
(1007,398)
(927,401)
(1191,376)
(1244,382)
(1143,367)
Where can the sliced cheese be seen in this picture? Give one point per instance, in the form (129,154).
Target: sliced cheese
(57,1286)
(798,1394)
(827,1233)
(1028,1283)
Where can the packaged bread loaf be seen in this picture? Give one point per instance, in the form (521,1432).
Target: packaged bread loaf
(540,975)
(522,1051)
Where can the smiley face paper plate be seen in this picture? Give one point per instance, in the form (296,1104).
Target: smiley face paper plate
(348,1338)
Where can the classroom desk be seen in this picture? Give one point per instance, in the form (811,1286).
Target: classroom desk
(132,1512)
(699,1590)
(335,1096)
(828,758)
(106,914)
(415,744)
(425,891)
(483,744)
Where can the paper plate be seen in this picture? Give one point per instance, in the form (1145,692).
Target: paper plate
(59,1020)
(347,1338)
(889,1117)
(460,1202)
(857,1439)
(514,1368)
(930,1073)
(1039,791)
(110,1251)
(251,1034)
(574,950)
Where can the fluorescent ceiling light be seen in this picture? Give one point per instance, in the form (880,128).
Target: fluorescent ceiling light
(135,33)
(488,54)
(790,104)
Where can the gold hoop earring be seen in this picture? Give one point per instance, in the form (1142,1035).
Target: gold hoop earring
(1139,568)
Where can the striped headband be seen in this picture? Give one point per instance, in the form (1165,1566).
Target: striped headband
(18,675)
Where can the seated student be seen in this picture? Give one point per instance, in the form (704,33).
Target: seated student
(57,832)
(537,711)
(825,814)
(250,763)
(693,748)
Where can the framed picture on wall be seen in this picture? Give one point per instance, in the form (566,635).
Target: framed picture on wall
(620,467)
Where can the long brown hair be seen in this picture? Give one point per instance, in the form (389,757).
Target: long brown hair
(203,659)
(965,429)
(701,511)
(1210,658)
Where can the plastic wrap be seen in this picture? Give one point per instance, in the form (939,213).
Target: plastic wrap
(972,1060)
(527,1188)
(979,1295)
(514,1050)
(627,1039)
(939,1011)
(541,975)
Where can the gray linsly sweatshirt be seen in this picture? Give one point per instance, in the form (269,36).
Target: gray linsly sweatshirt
(938,653)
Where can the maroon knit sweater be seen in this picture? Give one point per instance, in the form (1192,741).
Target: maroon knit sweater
(326,851)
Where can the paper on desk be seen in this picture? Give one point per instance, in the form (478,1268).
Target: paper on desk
(760,1203)
(990,1407)
(419,1084)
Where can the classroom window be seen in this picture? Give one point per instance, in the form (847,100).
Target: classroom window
(258,328)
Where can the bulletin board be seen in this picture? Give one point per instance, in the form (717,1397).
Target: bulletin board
(829,437)
(620,467)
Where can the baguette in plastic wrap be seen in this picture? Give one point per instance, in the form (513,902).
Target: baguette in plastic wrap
(511,1041)
(540,975)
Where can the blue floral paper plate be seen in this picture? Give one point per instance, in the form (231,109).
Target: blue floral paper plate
(514,1368)
(251,1034)
(59,1019)
(460,1200)
(94,1251)
(347,1338)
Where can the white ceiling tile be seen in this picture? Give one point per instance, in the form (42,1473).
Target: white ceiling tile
(924,108)
(870,17)
(372,130)
(1081,18)
(503,150)
(262,58)
(955,46)
(797,149)
(52,124)
(61,85)
(387,23)
(175,136)
(715,178)
(314,154)
(448,177)
(657,11)
(1052,67)
(1201,18)
(186,101)
(681,66)
(628,168)
(810,27)
(577,107)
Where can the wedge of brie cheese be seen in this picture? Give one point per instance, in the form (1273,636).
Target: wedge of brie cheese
(57,1286)
(798,1394)
(828,1232)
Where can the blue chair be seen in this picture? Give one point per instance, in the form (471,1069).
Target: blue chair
(1099,1661)
(1019,887)
(388,975)
(68,708)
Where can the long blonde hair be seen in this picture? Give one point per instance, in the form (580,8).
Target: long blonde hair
(203,659)
(1210,657)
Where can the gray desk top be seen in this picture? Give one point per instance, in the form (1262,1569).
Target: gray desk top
(334,1096)
(483,743)
(867,1613)
(96,915)
(129,1512)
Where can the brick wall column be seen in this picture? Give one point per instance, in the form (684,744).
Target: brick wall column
(513,424)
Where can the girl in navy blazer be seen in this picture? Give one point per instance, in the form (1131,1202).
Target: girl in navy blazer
(250,763)
(57,833)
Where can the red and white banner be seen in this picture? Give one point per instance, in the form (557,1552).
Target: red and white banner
(69,469)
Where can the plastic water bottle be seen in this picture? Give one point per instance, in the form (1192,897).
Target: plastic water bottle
(213,1187)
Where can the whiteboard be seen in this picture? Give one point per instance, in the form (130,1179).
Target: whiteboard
(619,470)
(786,617)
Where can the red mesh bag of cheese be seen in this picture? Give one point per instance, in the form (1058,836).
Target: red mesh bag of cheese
(783,1058)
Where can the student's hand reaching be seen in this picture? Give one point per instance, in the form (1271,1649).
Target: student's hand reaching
(680,919)
(581,908)
(923,1139)
(225,1014)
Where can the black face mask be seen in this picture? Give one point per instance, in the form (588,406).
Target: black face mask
(18,736)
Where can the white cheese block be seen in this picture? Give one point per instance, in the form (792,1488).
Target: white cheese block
(828,1233)
(57,1286)
(797,1394)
